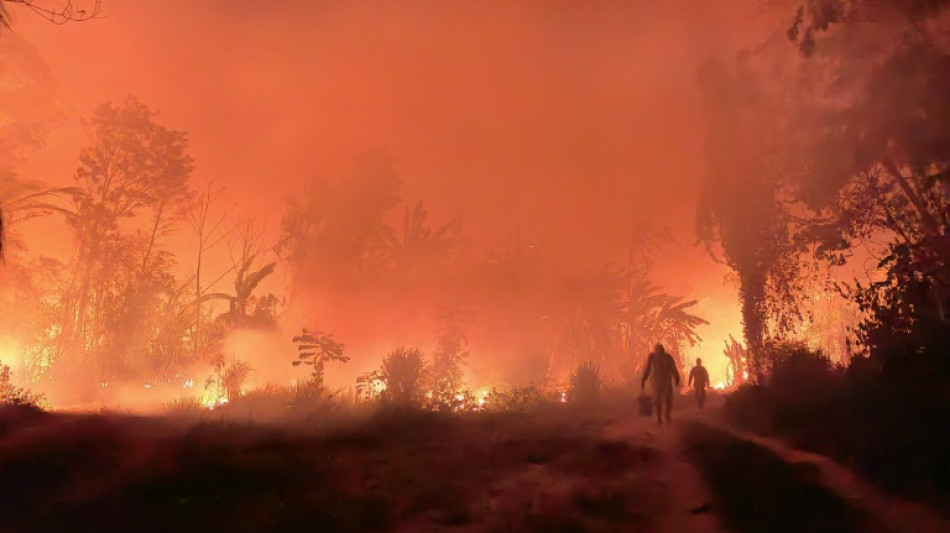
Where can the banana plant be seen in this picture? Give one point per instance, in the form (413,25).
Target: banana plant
(244,284)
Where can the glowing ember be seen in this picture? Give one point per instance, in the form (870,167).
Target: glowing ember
(209,399)
(481,396)
(563,397)
(188,384)
(719,385)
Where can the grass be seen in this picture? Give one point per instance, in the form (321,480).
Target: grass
(378,471)
(887,429)
(755,490)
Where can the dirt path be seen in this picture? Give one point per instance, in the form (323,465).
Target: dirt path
(889,512)
(689,504)
(696,476)
(718,479)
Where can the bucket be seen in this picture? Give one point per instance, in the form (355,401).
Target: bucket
(645,405)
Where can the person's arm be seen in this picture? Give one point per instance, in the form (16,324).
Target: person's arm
(692,374)
(676,372)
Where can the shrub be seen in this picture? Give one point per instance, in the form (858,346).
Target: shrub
(586,384)
(370,386)
(518,399)
(187,406)
(403,372)
(802,382)
(13,395)
(448,361)
(234,378)
(881,426)
(315,349)
(750,407)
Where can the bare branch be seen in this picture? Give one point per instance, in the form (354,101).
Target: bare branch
(71,11)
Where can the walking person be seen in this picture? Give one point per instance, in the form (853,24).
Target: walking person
(662,368)
(699,379)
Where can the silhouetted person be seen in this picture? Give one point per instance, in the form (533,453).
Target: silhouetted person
(662,367)
(699,379)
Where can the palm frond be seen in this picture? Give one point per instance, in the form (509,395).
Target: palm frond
(254,279)
(4,16)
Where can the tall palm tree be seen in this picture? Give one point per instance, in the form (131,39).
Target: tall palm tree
(419,246)
(25,199)
(653,316)
(66,13)
(677,327)
(590,310)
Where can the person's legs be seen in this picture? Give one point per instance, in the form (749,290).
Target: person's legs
(701,396)
(658,405)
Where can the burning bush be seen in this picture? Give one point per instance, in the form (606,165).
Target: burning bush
(13,395)
(519,399)
(403,372)
(226,383)
(586,384)
(187,407)
(446,370)
(235,376)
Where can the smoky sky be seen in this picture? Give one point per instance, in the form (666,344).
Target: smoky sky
(572,122)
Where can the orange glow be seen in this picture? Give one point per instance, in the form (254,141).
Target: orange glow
(574,127)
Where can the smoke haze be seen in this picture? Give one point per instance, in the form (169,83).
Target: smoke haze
(575,124)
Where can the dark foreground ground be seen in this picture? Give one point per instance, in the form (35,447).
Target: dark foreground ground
(558,470)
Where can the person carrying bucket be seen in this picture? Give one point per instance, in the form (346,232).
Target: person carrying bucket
(662,368)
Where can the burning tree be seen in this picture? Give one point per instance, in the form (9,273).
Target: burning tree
(885,168)
(741,208)
(132,168)
(210,231)
(448,361)
(738,367)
